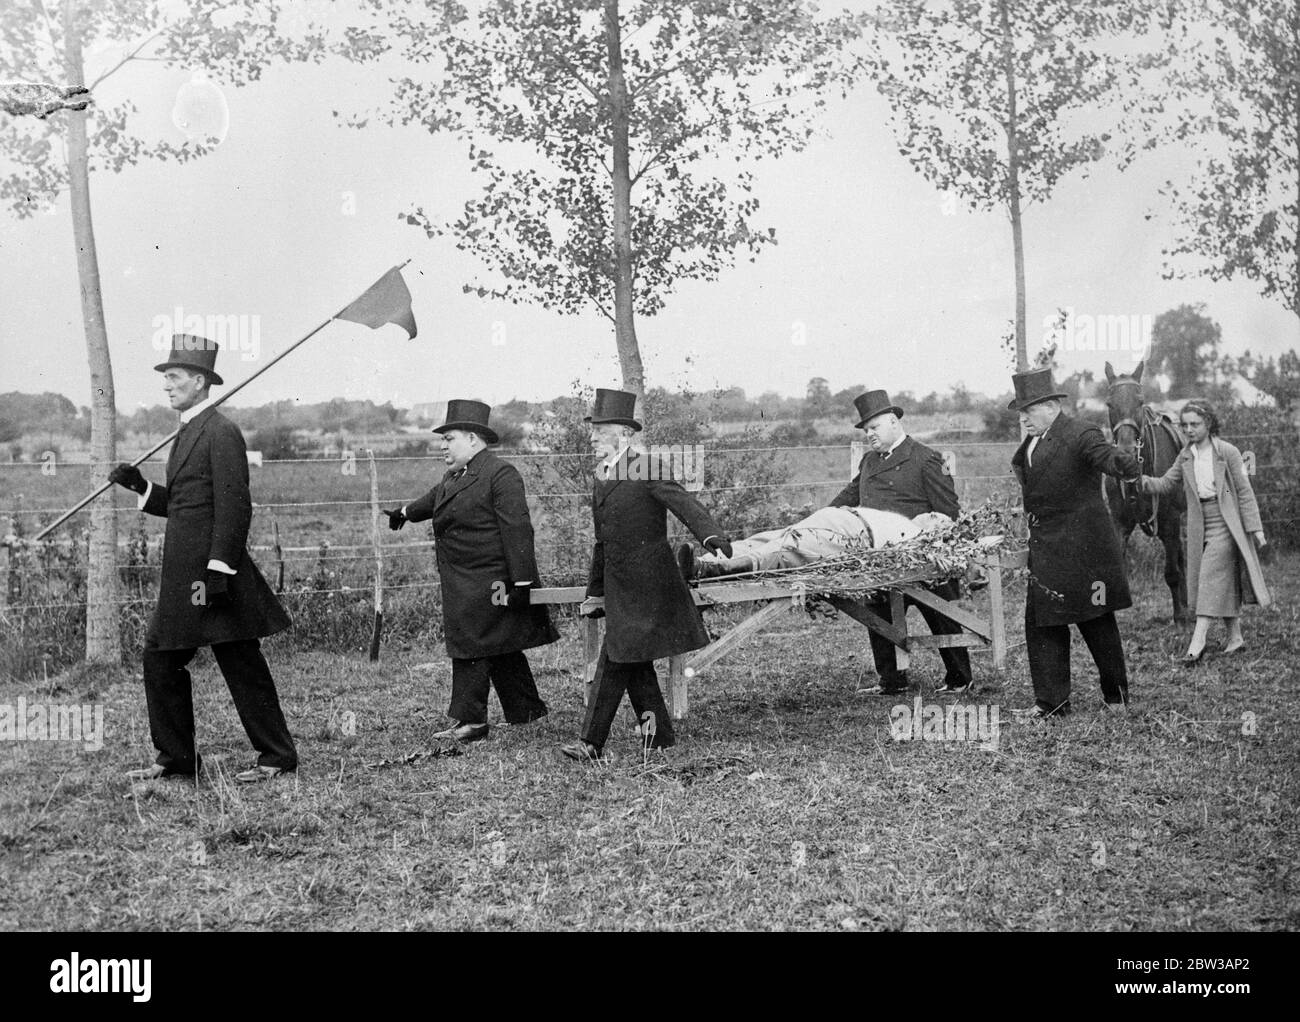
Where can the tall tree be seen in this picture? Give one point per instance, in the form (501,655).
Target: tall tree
(1185,347)
(817,399)
(614,137)
(48,145)
(1239,216)
(986,97)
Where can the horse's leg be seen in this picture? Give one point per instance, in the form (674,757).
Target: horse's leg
(1170,526)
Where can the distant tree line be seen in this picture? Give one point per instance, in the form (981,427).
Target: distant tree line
(1183,358)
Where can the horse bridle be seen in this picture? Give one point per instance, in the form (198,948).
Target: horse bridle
(1128,420)
(1129,492)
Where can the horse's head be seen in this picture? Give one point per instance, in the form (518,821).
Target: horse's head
(1124,405)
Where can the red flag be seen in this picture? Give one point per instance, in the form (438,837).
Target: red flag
(387,300)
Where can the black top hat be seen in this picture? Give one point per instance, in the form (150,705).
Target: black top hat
(198,354)
(616,406)
(1033,386)
(468,415)
(873,403)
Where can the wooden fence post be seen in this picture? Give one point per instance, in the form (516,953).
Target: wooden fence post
(279,554)
(997,610)
(857,451)
(378,627)
(7,528)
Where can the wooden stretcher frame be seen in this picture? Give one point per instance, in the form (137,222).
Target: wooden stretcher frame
(777,598)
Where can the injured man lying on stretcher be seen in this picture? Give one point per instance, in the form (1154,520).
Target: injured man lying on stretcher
(830,532)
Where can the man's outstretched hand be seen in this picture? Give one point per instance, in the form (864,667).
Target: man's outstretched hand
(396,519)
(128,476)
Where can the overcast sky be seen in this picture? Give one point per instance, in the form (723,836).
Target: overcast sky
(877,279)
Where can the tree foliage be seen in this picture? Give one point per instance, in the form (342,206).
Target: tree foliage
(234,39)
(987,96)
(711,86)
(1279,377)
(1240,214)
(1185,347)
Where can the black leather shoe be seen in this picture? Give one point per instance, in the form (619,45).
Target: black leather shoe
(686,561)
(463,733)
(1188,660)
(584,752)
(949,689)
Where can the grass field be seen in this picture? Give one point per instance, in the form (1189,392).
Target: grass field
(786,803)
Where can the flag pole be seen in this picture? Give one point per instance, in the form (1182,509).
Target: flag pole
(211,402)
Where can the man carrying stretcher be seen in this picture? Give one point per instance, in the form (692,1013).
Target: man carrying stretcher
(899,478)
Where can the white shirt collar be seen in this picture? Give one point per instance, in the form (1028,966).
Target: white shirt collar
(895,446)
(610,462)
(198,409)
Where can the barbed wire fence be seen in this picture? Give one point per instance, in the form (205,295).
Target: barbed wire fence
(312,553)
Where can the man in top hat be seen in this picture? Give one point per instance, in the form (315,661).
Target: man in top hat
(1076,565)
(487,568)
(903,475)
(211,593)
(649,611)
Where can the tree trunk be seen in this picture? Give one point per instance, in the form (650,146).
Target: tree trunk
(629,354)
(1013,185)
(1295,50)
(103,640)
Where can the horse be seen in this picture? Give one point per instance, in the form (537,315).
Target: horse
(1152,438)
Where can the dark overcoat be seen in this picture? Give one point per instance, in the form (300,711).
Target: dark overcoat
(649,611)
(910,482)
(483,543)
(1076,563)
(208,510)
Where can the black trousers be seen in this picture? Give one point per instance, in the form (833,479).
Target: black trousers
(509,674)
(1048,647)
(641,684)
(956,661)
(170,697)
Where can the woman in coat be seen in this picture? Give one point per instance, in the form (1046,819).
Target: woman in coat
(1222,563)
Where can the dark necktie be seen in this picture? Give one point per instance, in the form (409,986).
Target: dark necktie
(176,446)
